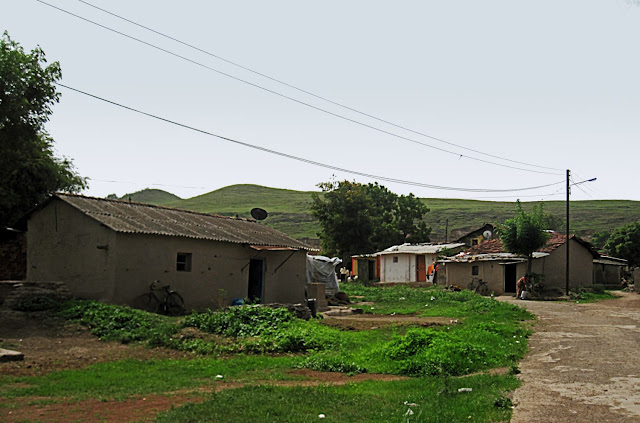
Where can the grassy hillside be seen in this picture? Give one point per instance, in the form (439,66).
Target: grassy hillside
(156,197)
(289,210)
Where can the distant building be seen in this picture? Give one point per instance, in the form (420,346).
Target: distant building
(410,262)
(488,261)
(485,233)
(366,267)
(111,251)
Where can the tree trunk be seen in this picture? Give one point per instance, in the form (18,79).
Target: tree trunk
(527,276)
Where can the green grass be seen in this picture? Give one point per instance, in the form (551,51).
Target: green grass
(591,297)
(435,399)
(254,345)
(121,379)
(289,210)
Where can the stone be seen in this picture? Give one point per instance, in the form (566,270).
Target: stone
(9,355)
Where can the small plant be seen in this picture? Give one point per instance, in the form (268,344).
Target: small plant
(33,303)
(503,402)
(332,364)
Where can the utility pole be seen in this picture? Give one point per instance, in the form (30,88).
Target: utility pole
(567,242)
(446,232)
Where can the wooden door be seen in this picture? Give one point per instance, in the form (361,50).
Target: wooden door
(421,269)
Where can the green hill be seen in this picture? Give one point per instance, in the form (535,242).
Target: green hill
(156,197)
(289,210)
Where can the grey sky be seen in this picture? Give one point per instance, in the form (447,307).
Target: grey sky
(553,83)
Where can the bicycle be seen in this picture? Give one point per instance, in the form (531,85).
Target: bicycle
(172,303)
(478,286)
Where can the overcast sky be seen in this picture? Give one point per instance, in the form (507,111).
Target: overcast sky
(552,83)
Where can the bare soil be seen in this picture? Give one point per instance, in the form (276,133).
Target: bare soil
(583,362)
(359,322)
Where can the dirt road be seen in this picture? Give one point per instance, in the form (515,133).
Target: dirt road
(583,364)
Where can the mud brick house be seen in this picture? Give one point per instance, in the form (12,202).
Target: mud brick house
(112,250)
(500,269)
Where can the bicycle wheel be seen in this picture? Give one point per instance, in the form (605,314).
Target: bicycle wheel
(147,302)
(483,289)
(174,304)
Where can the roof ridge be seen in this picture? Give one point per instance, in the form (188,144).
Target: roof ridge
(135,203)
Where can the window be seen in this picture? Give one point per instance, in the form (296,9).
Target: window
(183,262)
(474,241)
(475,270)
(395,259)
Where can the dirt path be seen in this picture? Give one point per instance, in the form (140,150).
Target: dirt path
(583,364)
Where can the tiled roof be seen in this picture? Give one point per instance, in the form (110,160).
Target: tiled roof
(556,239)
(137,218)
(487,247)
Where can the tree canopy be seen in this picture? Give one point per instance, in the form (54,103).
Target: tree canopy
(360,219)
(624,242)
(29,170)
(524,233)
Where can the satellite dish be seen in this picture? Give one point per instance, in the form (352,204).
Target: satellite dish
(487,234)
(259,214)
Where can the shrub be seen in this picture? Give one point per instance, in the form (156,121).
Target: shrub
(33,303)
(332,364)
(240,321)
(120,323)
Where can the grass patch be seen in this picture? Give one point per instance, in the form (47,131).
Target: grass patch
(121,379)
(436,399)
(591,296)
(254,345)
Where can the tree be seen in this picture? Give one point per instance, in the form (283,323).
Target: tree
(599,239)
(624,242)
(29,171)
(361,219)
(524,234)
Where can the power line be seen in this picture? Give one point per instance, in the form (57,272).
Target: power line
(573,184)
(306,91)
(524,196)
(303,160)
(291,98)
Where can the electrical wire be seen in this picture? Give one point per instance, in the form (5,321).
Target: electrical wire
(306,91)
(523,196)
(590,187)
(293,99)
(577,185)
(303,160)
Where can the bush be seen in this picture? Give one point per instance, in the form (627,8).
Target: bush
(120,323)
(34,303)
(240,321)
(331,364)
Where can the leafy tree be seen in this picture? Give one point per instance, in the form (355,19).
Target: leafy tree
(524,233)
(29,171)
(554,223)
(361,219)
(624,242)
(599,239)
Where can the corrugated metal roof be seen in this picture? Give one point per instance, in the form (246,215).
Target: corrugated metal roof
(509,257)
(137,218)
(419,248)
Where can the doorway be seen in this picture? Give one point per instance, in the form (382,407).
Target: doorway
(256,280)
(421,269)
(510,277)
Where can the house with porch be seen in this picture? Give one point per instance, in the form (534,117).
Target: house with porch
(111,251)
